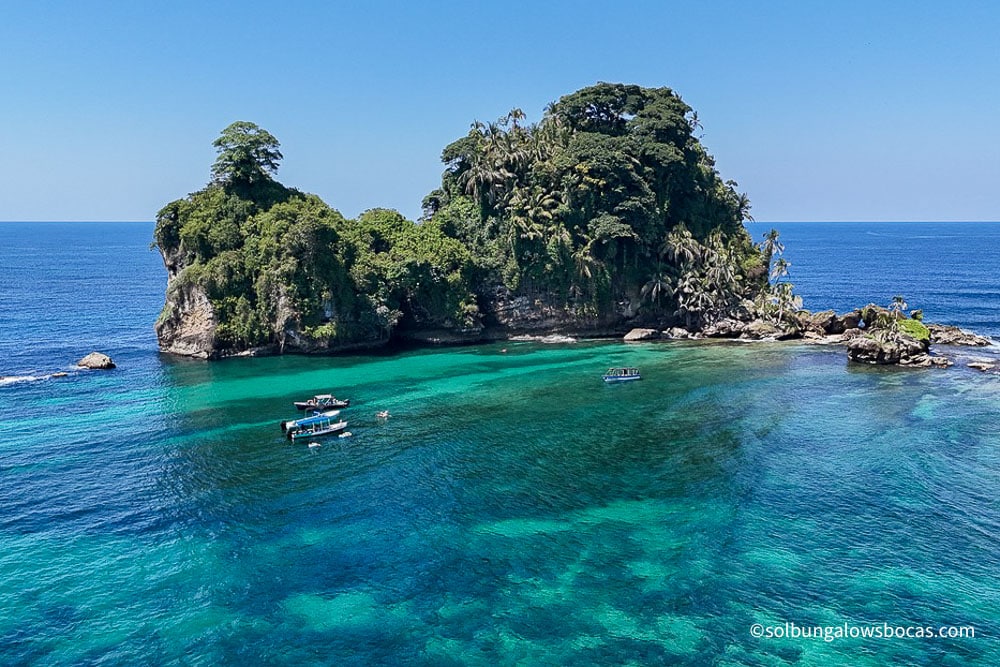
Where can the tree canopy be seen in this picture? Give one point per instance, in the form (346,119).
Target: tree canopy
(248,155)
(580,204)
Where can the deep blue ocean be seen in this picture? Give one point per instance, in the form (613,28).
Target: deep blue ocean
(513,510)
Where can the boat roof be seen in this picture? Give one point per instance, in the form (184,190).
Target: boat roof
(320,397)
(316,419)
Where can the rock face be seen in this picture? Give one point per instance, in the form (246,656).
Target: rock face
(828,322)
(843,323)
(96,361)
(642,334)
(187,325)
(888,337)
(761,329)
(724,328)
(507,313)
(676,333)
(947,335)
(898,349)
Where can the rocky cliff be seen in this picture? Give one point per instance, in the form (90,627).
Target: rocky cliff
(187,323)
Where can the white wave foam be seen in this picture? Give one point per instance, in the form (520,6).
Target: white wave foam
(17,379)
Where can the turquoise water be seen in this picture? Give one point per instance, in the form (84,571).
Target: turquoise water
(513,510)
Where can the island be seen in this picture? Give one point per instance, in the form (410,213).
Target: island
(605,217)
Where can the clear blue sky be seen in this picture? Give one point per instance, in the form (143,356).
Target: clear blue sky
(821,110)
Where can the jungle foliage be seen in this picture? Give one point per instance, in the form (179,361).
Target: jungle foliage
(609,205)
(609,198)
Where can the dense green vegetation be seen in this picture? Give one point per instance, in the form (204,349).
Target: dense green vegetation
(889,322)
(608,208)
(610,197)
(272,259)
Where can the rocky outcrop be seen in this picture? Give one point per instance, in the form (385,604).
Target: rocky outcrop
(889,338)
(928,360)
(942,334)
(982,365)
(724,328)
(828,322)
(508,313)
(188,323)
(872,335)
(642,334)
(676,333)
(96,361)
(884,350)
(817,323)
(762,329)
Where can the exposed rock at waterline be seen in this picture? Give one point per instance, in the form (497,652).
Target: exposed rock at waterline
(759,329)
(943,334)
(926,361)
(828,322)
(982,365)
(724,328)
(676,333)
(96,361)
(642,334)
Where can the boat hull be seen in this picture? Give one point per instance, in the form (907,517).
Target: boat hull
(293,424)
(614,378)
(319,432)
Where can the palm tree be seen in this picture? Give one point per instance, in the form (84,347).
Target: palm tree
(780,269)
(497,160)
(657,287)
(722,278)
(771,247)
(680,246)
(786,298)
(898,305)
(693,295)
(693,123)
(743,209)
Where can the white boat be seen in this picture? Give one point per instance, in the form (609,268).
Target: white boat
(322,402)
(622,375)
(320,427)
(293,424)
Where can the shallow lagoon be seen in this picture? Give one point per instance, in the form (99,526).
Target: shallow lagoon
(513,508)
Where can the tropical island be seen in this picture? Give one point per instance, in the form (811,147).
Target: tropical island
(607,216)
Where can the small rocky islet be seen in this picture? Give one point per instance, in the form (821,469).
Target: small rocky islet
(90,362)
(871,335)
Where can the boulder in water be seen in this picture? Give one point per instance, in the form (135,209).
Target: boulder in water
(982,365)
(642,334)
(97,361)
(943,334)
(676,332)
